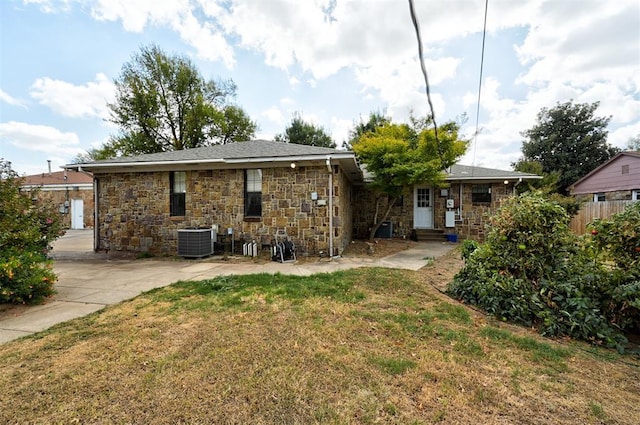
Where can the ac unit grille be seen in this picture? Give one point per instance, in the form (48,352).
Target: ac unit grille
(195,242)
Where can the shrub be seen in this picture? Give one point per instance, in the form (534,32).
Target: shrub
(468,247)
(616,242)
(532,270)
(26,231)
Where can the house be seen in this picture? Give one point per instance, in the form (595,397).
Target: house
(618,179)
(248,191)
(462,206)
(252,190)
(71,191)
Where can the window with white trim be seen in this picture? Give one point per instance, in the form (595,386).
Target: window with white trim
(178,192)
(253,193)
(599,197)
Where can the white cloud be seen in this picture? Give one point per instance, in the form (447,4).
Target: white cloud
(8,99)
(49,6)
(87,100)
(293,81)
(179,15)
(274,115)
(340,129)
(39,138)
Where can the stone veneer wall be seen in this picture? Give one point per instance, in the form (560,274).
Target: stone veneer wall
(343,212)
(618,195)
(59,196)
(401,215)
(471,224)
(474,221)
(134,208)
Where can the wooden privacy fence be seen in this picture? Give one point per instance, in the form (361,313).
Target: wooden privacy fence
(592,210)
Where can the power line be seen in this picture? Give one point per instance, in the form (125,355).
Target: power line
(416,25)
(484,34)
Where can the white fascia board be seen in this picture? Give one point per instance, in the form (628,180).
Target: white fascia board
(494,178)
(47,187)
(140,164)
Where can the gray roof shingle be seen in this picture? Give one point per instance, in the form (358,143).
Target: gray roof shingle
(240,150)
(468,172)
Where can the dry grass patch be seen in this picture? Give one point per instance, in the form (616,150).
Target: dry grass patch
(364,346)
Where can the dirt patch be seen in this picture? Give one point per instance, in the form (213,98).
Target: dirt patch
(378,248)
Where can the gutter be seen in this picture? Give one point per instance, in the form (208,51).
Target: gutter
(47,187)
(147,164)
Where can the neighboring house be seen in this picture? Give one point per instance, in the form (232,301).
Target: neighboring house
(469,197)
(71,191)
(253,190)
(618,179)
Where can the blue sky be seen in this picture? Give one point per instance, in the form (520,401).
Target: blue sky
(333,61)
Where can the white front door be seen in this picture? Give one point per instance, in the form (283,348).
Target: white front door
(77,214)
(422,208)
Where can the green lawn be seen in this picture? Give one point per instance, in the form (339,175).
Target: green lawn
(358,347)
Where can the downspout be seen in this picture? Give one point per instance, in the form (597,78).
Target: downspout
(96,215)
(515,185)
(330,206)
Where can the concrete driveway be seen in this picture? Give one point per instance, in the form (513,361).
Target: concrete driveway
(89,281)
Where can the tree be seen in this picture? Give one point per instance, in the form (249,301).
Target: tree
(163,104)
(399,156)
(26,230)
(633,144)
(547,186)
(301,132)
(568,139)
(376,119)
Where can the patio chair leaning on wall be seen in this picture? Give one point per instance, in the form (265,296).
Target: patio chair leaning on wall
(282,247)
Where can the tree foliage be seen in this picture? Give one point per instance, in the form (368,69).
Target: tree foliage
(533,270)
(163,103)
(569,140)
(26,230)
(633,144)
(301,132)
(399,156)
(617,243)
(547,185)
(375,120)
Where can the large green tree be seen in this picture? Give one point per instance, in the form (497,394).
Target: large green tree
(301,132)
(568,139)
(163,103)
(399,156)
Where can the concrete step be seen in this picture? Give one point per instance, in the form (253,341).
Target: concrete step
(431,235)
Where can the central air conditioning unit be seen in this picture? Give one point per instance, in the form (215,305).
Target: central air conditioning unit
(196,243)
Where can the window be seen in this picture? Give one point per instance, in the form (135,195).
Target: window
(481,194)
(599,197)
(253,193)
(635,195)
(178,185)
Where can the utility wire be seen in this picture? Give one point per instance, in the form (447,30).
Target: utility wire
(484,34)
(416,25)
